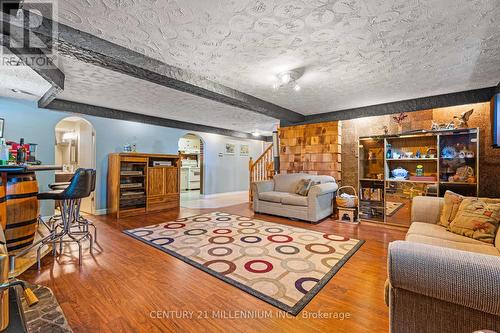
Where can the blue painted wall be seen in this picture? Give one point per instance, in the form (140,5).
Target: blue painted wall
(222,174)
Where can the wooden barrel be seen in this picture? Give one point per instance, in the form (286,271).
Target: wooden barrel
(22,210)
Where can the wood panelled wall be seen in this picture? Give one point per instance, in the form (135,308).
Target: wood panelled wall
(313,148)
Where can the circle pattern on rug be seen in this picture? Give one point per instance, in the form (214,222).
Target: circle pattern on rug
(254,251)
(222,231)
(174,225)
(142,233)
(223,218)
(287,249)
(162,241)
(298,265)
(299,284)
(217,240)
(258,262)
(274,230)
(308,238)
(168,232)
(243,218)
(230,266)
(220,251)
(250,239)
(272,287)
(246,224)
(335,238)
(195,232)
(326,261)
(325,249)
(202,219)
(181,219)
(191,240)
(248,231)
(280,238)
(222,214)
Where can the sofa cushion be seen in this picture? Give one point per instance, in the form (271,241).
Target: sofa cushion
(476,248)
(272,196)
(288,182)
(294,200)
(437,231)
(477,219)
(450,208)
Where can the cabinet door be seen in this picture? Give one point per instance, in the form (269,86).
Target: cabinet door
(171,180)
(156,181)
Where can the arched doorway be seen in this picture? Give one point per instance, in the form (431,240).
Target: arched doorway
(191,150)
(75,148)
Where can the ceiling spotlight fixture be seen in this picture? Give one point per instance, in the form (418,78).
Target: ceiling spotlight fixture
(288,80)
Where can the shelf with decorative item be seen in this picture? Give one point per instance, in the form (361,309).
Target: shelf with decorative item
(457,183)
(412,181)
(412,159)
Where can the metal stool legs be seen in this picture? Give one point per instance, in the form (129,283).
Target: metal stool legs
(61,232)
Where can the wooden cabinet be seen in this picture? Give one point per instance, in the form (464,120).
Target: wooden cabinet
(142,183)
(163,188)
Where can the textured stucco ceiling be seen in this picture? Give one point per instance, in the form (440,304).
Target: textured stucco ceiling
(354,52)
(15,75)
(85,83)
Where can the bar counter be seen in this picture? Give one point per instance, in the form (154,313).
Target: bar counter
(19,207)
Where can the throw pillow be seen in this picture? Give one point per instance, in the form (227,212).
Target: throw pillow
(476,219)
(303,187)
(450,208)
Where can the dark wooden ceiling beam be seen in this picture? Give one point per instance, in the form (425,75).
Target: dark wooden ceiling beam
(417,104)
(99,52)
(102,112)
(35,58)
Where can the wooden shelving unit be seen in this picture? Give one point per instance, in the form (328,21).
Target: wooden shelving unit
(436,172)
(137,186)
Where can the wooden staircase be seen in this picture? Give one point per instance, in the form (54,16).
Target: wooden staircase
(261,169)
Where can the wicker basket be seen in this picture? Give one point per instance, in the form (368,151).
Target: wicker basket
(347,202)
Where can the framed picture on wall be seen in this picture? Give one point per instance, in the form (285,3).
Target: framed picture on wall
(230,149)
(244,150)
(1,127)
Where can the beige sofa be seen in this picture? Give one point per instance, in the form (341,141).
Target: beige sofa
(277,197)
(440,281)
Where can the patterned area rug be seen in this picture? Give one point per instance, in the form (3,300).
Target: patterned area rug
(283,265)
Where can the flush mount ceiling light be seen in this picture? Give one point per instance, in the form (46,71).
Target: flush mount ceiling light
(288,80)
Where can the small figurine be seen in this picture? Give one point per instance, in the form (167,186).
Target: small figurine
(385,129)
(442,126)
(464,118)
(418,154)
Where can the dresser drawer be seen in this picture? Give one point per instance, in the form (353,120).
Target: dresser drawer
(163,202)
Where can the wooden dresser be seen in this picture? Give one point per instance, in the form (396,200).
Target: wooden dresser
(142,183)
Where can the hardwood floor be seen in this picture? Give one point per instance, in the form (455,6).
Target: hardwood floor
(123,285)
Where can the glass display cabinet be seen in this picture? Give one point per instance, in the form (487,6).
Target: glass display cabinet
(394,169)
(371,173)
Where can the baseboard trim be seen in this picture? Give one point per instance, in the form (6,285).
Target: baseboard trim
(101,211)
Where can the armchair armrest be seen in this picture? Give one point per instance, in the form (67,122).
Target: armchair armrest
(321,189)
(426,209)
(262,186)
(460,277)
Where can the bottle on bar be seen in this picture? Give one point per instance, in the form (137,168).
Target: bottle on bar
(21,152)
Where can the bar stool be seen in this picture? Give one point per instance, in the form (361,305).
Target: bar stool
(82,221)
(60,230)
